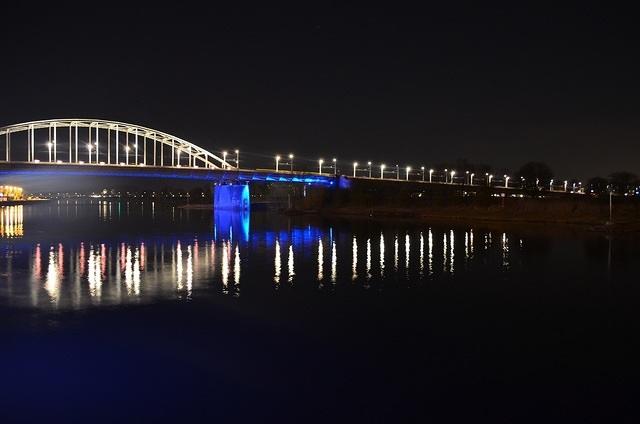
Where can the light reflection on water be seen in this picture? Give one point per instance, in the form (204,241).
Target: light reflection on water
(84,270)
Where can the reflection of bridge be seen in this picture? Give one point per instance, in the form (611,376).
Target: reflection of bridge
(91,147)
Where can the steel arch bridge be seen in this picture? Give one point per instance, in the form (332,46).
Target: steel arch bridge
(102,142)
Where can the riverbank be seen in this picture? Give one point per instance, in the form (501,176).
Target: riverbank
(23,202)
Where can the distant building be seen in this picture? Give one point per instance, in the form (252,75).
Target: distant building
(10,193)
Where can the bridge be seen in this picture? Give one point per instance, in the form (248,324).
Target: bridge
(94,147)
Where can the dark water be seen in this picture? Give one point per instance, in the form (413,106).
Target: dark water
(131,312)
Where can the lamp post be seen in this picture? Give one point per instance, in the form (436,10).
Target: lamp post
(369,163)
(471,178)
(49,146)
(431,175)
(490,178)
(382,171)
(335,167)
(291,162)
(565,185)
(277,161)
(452,174)
(446,172)
(408,170)
(126,151)
(237,158)
(89,147)
(422,169)
(320,162)
(224,159)
(177,158)
(397,171)
(551,185)
(466,176)
(506,181)
(355,164)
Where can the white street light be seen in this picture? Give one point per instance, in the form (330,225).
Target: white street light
(446,172)
(431,175)
(506,181)
(452,174)
(320,162)
(277,161)
(397,171)
(382,171)
(565,185)
(291,161)
(178,156)
(126,150)
(335,167)
(89,147)
(355,165)
(490,178)
(551,185)
(49,146)
(408,170)
(369,163)
(466,176)
(471,178)
(237,158)
(422,169)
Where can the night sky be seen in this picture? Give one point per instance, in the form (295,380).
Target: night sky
(424,86)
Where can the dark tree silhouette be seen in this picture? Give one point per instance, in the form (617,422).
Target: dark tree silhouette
(533,172)
(623,181)
(597,185)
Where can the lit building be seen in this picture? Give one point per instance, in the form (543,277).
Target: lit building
(10,193)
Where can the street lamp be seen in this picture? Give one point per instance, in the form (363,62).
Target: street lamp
(89,147)
(471,178)
(430,175)
(126,150)
(565,185)
(397,171)
(224,159)
(237,158)
(369,163)
(551,185)
(490,178)
(355,164)
(506,181)
(452,174)
(335,167)
(382,171)
(291,162)
(320,162)
(466,176)
(446,172)
(408,170)
(277,161)
(178,156)
(49,145)
(422,169)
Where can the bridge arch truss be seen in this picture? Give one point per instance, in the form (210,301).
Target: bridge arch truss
(101,142)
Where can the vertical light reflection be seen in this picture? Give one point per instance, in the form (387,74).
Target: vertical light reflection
(277,264)
(395,253)
(444,254)
(225,264)
(407,253)
(421,254)
(451,254)
(179,283)
(136,272)
(471,242)
(52,282)
(320,259)
(381,255)
(128,271)
(505,250)
(354,258)
(290,266)
(94,274)
(334,262)
(368,263)
(189,271)
(466,245)
(430,261)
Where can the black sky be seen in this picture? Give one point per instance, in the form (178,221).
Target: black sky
(498,85)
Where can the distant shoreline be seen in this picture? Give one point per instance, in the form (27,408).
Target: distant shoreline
(23,202)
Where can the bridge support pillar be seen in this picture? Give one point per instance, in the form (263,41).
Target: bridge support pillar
(231,197)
